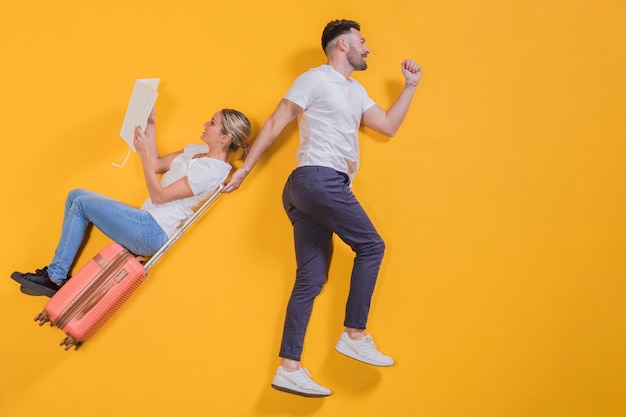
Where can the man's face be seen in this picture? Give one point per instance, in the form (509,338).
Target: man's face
(358,51)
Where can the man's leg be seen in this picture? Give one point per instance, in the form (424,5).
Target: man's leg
(313,247)
(330,201)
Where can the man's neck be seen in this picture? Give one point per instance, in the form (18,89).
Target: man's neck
(341,66)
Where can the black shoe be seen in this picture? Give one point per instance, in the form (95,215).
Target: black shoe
(37,283)
(29,291)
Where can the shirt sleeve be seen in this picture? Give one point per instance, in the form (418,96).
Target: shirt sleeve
(304,90)
(367,101)
(205,175)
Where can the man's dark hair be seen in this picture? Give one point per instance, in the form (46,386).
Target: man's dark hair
(336,28)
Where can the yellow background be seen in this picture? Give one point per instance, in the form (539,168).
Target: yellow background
(501,200)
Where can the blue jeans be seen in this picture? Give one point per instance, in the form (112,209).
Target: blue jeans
(319,202)
(134,229)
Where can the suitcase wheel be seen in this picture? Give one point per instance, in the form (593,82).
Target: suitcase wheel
(43,318)
(70,341)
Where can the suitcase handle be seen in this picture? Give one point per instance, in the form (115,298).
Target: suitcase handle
(182,229)
(93,301)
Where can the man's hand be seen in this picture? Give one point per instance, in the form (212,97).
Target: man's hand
(412,71)
(235,181)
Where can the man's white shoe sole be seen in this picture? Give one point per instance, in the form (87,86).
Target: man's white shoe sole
(298,383)
(344,349)
(300,393)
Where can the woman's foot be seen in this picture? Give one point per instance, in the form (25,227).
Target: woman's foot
(37,283)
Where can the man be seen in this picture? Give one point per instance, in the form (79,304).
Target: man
(330,107)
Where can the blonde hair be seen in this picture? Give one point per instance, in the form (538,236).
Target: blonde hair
(237,125)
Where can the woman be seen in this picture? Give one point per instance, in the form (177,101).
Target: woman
(189,176)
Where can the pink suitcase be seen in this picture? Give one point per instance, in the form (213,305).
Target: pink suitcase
(85,303)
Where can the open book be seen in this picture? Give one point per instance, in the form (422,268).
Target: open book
(139,107)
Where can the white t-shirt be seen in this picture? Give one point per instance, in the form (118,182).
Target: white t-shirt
(204,176)
(329,124)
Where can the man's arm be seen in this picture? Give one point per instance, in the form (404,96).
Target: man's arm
(284,114)
(388,122)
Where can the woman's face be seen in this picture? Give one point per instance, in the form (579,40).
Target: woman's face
(213,130)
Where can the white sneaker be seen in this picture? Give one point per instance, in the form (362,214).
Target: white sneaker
(299,383)
(363,350)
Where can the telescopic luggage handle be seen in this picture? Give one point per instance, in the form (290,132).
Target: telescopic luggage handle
(182,229)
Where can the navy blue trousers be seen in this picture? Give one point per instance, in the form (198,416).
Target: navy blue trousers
(319,202)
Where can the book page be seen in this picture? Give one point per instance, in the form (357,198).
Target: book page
(141,103)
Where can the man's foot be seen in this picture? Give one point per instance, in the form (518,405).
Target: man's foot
(37,283)
(363,350)
(299,383)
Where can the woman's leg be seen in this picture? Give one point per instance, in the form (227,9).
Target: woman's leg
(132,228)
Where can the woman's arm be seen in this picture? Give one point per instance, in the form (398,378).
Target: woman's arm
(153,164)
(159,163)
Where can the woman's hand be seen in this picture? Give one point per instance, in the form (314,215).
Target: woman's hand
(152,116)
(141,142)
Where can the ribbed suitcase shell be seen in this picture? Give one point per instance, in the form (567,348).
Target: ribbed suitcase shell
(82,306)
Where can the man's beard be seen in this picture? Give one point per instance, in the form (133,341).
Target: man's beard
(357,61)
